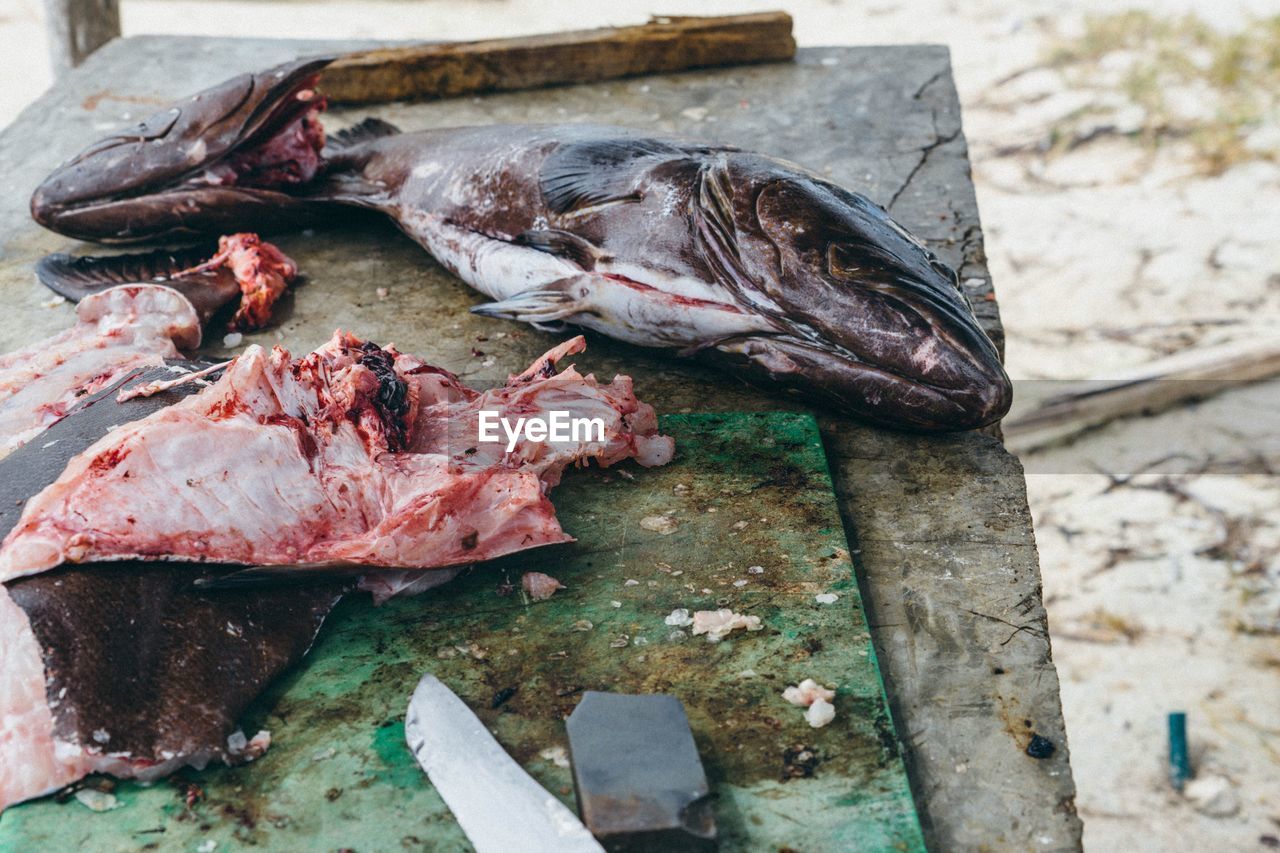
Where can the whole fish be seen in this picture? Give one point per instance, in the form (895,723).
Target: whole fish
(700,250)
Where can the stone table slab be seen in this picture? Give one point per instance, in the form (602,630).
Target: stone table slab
(945,549)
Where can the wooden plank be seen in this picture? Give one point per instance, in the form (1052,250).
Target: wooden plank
(663,45)
(77,28)
(945,550)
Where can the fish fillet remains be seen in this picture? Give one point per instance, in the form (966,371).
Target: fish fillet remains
(123,326)
(261,270)
(353,455)
(129,671)
(116,331)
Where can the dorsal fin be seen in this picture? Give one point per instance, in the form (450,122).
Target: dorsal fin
(584,174)
(366,131)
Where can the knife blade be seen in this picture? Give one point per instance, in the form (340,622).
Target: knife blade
(498,805)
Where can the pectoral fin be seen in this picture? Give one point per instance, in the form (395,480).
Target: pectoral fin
(585,174)
(717,233)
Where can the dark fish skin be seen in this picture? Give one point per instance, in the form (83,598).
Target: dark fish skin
(136,659)
(158,666)
(741,259)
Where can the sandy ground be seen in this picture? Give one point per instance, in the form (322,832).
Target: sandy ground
(1131,197)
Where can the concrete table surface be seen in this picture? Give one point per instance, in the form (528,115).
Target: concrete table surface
(944,542)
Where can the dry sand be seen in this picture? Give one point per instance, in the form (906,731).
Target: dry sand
(1131,209)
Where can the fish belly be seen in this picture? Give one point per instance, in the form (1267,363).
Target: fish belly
(646,307)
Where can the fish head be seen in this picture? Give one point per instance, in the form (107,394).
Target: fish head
(871,320)
(224,159)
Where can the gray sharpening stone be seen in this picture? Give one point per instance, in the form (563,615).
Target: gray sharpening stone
(639,779)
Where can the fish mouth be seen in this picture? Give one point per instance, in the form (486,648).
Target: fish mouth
(963,388)
(233,154)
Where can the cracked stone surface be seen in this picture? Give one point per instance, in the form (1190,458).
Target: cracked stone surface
(940,526)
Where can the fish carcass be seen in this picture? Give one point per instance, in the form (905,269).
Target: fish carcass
(353,455)
(696,249)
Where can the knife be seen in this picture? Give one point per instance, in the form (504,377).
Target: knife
(498,805)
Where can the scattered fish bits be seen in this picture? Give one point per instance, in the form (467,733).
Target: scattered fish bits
(232,339)
(679,618)
(718,624)
(820,713)
(807,692)
(755,570)
(582,625)
(539,586)
(663,524)
(816,699)
(740,582)
(98,801)
(556,755)
(1212,795)
(826,598)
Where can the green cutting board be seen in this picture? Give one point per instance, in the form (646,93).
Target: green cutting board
(744,490)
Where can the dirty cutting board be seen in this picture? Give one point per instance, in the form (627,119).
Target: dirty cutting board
(744,490)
